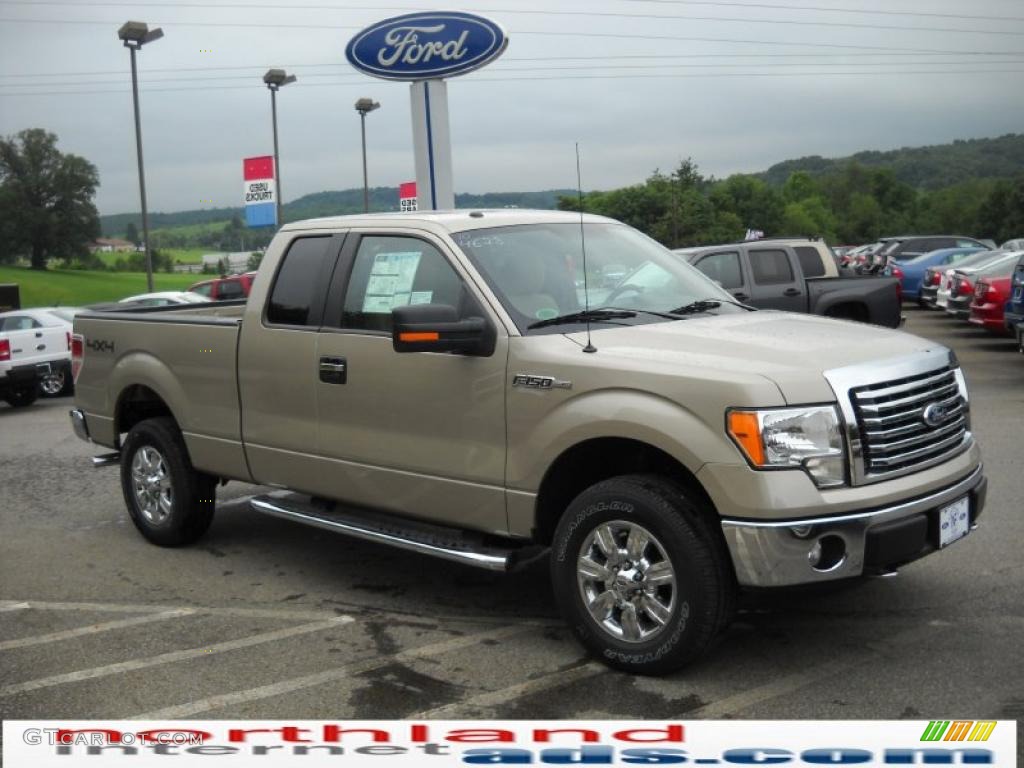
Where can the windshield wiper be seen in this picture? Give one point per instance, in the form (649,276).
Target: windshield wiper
(666,315)
(594,315)
(701,305)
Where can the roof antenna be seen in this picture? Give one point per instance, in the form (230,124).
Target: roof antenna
(583,248)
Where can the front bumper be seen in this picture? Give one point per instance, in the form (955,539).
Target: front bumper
(775,553)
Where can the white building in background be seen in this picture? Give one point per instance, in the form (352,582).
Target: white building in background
(238,261)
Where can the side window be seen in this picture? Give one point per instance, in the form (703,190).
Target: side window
(810,260)
(203,290)
(230,289)
(723,267)
(20,323)
(771,267)
(964,244)
(393,272)
(295,287)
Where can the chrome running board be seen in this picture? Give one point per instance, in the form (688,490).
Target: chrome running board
(414,536)
(106,459)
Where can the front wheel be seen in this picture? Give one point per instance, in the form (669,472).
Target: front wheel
(641,575)
(169,501)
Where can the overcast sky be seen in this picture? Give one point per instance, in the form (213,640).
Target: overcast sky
(735,84)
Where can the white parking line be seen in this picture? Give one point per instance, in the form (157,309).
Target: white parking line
(8,605)
(470,708)
(251,613)
(92,629)
(173,656)
(328,676)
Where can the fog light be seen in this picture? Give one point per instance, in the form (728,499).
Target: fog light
(814,554)
(827,553)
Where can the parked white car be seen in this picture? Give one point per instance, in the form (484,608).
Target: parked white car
(164,298)
(36,342)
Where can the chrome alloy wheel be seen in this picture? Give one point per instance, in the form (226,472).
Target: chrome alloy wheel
(52,383)
(626,581)
(152,484)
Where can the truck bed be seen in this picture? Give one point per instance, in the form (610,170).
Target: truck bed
(197,345)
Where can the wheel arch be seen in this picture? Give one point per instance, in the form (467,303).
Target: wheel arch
(593,460)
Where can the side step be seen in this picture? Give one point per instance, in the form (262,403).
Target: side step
(106,459)
(425,538)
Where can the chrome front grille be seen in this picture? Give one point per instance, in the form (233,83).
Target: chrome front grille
(909,422)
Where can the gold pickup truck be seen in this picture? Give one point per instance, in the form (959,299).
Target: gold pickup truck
(493,387)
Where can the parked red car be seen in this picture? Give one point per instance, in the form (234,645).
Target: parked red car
(990,297)
(225,288)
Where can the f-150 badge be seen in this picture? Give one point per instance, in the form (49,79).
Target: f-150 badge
(530,381)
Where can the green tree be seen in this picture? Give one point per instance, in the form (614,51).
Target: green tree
(47,199)
(131,234)
(254,261)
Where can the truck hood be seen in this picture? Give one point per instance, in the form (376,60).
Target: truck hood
(790,349)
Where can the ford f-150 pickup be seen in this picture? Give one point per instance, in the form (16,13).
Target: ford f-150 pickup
(472,385)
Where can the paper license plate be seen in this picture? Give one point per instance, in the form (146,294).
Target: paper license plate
(954,521)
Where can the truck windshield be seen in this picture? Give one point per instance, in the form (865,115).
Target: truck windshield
(536,271)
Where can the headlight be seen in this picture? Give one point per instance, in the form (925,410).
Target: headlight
(809,438)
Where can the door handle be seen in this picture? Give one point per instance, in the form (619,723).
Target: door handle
(333,370)
(40,347)
(791,292)
(39,334)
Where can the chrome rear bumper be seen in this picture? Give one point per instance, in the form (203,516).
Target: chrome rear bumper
(777,553)
(79,425)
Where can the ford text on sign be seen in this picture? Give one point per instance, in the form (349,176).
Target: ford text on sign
(422,46)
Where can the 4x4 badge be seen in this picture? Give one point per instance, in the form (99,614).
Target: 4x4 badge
(530,381)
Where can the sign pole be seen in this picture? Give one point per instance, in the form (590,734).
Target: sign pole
(432,143)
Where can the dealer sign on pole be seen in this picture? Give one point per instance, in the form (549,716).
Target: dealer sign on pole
(260,191)
(425,48)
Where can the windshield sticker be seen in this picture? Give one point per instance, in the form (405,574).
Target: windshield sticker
(390,283)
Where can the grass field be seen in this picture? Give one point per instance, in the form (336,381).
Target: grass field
(74,288)
(180,255)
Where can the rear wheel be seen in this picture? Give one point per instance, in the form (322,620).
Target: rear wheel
(169,501)
(641,575)
(55,383)
(20,398)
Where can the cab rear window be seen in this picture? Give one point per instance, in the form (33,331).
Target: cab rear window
(298,278)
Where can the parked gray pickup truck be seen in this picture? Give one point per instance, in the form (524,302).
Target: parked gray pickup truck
(798,276)
(457,384)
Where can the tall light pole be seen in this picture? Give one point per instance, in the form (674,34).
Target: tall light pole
(275,79)
(135,34)
(363,106)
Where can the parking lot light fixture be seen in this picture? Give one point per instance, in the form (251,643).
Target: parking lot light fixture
(276,79)
(363,107)
(135,34)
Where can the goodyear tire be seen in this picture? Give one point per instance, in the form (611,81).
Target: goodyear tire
(641,574)
(169,501)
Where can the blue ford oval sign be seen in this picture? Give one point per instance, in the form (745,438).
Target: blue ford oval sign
(428,45)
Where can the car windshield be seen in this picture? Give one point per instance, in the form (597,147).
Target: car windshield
(536,271)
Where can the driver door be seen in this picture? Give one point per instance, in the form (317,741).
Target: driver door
(418,433)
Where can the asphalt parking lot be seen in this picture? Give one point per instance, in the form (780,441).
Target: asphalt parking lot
(269,619)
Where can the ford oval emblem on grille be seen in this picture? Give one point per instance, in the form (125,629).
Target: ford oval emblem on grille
(426,45)
(935,414)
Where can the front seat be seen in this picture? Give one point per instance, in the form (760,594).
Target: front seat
(525,284)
